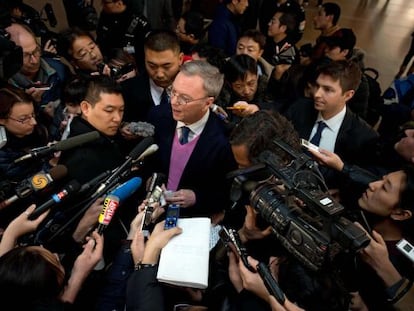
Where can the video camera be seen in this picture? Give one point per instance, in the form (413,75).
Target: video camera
(286,56)
(294,200)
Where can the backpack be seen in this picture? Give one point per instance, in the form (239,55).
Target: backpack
(375,100)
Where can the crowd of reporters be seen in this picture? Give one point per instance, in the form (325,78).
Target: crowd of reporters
(99,108)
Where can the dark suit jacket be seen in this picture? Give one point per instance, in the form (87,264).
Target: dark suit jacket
(138,99)
(207,166)
(355,141)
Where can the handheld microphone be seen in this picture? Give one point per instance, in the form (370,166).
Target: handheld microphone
(113,199)
(140,128)
(132,157)
(70,188)
(35,183)
(60,146)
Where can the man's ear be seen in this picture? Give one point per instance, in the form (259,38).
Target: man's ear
(85,108)
(348,94)
(400,214)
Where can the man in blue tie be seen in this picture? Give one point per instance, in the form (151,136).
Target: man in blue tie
(194,150)
(329,123)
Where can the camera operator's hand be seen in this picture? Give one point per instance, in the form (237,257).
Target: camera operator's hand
(376,255)
(252,281)
(279,70)
(328,158)
(18,227)
(35,93)
(183,197)
(250,231)
(234,273)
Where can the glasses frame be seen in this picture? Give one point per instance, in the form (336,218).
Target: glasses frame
(183,101)
(25,120)
(36,53)
(91,47)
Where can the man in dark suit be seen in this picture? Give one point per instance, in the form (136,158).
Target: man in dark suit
(328,123)
(163,59)
(194,151)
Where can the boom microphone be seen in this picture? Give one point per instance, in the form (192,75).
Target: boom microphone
(70,188)
(35,183)
(60,146)
(112,201)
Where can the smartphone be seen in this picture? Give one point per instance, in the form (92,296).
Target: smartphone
(39,86)
(231,239)
(309,145)
(406,248)
(146,221)
(172,215)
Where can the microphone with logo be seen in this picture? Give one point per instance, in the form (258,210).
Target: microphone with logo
(35,183)
(60,146)
(72,187)
(113,200)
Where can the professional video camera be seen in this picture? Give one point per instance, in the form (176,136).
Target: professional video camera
(294,200)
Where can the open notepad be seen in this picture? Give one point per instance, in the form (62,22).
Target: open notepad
(184,260)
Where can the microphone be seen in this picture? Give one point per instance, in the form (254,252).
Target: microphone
(60,146)
(143,129)
(132,157)
(71,187)
(150,150)
(113,199)
(35,183)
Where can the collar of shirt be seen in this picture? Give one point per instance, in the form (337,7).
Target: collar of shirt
(196,128)
(156,92)
(335,122)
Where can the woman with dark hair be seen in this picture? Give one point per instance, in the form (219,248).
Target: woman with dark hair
(17,116)
(32,278)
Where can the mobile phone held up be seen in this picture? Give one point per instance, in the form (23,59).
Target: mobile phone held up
(309,145)
(172,215)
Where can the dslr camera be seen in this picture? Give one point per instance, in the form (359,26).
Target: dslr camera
(294,200)
(117,71)
(286,56)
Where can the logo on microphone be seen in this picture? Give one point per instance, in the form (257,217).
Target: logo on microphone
(40,181)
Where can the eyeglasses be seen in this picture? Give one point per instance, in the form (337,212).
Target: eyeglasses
(85,52)
(183,100)
(36,53)
(24,120)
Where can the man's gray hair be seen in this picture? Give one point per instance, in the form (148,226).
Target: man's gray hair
(212,78)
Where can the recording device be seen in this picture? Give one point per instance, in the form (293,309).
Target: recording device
(406,248)
(39,86)
(270,283)
(116,72)
(60,146)
(3,136)
(113,200)
(286,56)
(171,217)
(313,230)
(154,195)
(72,187)
(232,242)
(51,17)
(35,183)
(140,128)
(309,145)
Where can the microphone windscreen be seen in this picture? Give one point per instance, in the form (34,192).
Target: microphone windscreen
(127,188)
(76,141)
(141,147)
(58,172)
